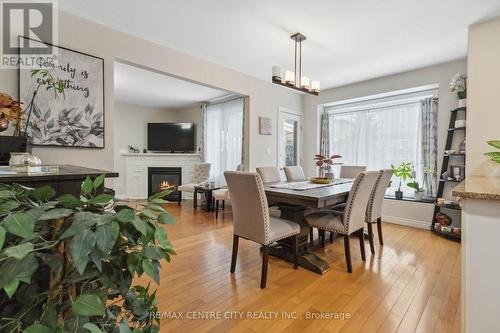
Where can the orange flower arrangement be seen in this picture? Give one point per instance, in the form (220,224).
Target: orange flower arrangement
(10,110)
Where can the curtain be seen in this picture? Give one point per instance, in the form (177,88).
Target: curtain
(324,145)
(223,137)
(378,137)
(202,129)
(429,109)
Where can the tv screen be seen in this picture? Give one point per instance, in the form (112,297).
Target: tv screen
(171,137)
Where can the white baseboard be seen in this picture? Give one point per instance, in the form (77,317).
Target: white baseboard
(407,222)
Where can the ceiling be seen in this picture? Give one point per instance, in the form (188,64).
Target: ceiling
(147,88)
(348,41)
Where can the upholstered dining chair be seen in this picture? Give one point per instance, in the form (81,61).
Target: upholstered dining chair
(351,171)
(201,173)
(294,173)
(374,209)
(270,174)
(252,221)
(352,220)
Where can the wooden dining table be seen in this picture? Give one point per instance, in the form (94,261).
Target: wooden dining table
(293,204)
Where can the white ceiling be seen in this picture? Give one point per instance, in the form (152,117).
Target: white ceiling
(348,41)
(146,88)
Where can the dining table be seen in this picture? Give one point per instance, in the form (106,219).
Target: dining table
(297,199)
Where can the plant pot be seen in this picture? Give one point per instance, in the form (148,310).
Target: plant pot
(398,194)
(419,195)
(462,102)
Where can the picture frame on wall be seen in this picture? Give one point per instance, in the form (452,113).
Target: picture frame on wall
(68,117)
(457,172)
(265,126)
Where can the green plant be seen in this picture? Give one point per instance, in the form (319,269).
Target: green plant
(403,171)
(67,263)
(494,155)
(415,184)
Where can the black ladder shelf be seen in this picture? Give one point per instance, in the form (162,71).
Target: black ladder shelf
(444,167)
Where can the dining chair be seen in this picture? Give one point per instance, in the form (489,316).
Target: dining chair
(351,221)
(270,174)
(221,195)
(201,172)
(294,173)
(252,221)
(374,209)
(351,171)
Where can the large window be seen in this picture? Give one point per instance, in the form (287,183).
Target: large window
(223,137)
(379,133)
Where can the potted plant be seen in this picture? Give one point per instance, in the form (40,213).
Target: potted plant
(494,155)
(419,191)
(324,165)
(67,264)
(458,85)
(403,171)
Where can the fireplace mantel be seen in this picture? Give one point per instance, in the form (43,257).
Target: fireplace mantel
(136,170)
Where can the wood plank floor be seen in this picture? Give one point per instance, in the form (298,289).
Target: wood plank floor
(411,284)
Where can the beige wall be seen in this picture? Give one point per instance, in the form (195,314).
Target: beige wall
(483,97)
(86,36)
(419,215)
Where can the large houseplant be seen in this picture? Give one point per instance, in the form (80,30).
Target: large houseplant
(67,263)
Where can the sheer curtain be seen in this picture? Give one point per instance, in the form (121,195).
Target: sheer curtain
(379,136)
(223,137)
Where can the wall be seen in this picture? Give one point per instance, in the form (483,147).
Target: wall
(89,37)
(418,215)
(483,97)
(130,128)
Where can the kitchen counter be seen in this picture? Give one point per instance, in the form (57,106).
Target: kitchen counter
(478,187)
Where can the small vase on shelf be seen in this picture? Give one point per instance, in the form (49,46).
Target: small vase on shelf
(462,103)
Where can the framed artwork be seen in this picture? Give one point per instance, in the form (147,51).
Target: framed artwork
(67,100)
(457,172)
(265,126)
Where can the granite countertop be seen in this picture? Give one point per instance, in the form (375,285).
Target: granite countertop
(478,187)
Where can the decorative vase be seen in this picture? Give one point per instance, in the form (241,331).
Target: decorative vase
(462,103)
(21,161)
(419,195)
(329,175)
(398,195)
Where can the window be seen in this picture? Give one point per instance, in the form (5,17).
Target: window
(378,133)
(223,137)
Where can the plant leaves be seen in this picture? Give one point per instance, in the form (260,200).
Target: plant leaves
(9,206)
(105,238)
(92,328)
(147,267)
(69,201)
(166,218)
(37,328)
(160,195)
(88,305)
(19,251)
(103,198)
(11,287)
(6,194)
(494,143)
(87,185)
(126,215)
(20,224)
(98,181)
(43,193)
(2,236)
(56,213)
(156,207)
(82,221)
(161,236)
(81,245)
(140,225)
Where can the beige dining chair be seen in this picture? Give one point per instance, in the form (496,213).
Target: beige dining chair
(351,221)
(221,195)
(351,171)
(270,174)
(201,172)
(374,209)
(294,173)
(251,218)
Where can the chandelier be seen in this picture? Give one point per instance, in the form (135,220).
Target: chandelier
(294,79)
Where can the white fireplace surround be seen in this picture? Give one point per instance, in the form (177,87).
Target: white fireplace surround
(136,171)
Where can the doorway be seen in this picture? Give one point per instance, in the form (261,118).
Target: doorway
(289,137)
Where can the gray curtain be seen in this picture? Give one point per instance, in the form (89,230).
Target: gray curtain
(324,144)
(429,108)
(202,129)
(243,139)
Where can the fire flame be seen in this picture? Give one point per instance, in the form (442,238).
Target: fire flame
(164,185)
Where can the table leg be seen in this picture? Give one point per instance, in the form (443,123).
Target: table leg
(284,248)
(209,201)
(195,199)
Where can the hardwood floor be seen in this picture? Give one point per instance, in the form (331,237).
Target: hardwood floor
(411,284)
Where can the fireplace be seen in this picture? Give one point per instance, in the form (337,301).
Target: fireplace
(161,178)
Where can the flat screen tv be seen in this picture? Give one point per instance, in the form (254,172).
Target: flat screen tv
(171,137)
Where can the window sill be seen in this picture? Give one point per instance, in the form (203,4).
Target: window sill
(429,200)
